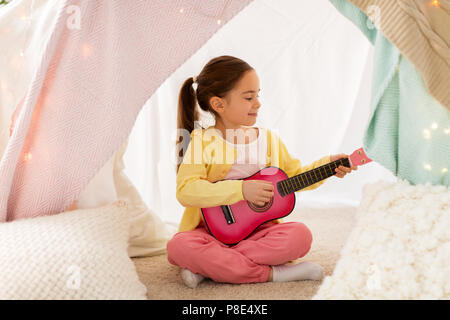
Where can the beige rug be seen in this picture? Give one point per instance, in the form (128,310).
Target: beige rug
(330,228)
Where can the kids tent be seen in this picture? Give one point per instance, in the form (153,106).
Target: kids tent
(87,87)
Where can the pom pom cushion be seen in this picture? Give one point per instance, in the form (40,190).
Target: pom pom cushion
(80,254)
(399,248)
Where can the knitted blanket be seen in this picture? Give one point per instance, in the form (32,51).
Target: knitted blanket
(102,62)
(409,130)
(420,29)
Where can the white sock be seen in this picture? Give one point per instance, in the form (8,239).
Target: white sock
(191,279)
(300,271)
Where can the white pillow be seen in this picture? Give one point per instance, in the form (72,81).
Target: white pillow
(80,254)
(399,248)
(148,233)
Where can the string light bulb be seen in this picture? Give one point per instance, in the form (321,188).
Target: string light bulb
(427,166)
(444,170)
(86,50)
(6,30)
(436,3)
(220,15)
(28,156)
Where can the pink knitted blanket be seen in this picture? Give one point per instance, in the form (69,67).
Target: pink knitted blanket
(89,88)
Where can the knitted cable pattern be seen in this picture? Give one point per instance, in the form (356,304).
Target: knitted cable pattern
(436,42)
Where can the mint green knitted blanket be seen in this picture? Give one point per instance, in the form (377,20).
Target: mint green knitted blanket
(408,131)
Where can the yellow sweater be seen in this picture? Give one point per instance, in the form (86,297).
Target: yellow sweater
(207,161)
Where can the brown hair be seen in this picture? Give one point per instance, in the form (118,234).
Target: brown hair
(219,76)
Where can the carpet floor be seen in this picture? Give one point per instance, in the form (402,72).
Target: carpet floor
(330,228)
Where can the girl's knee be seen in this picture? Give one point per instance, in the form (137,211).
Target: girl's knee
(185,244)
(301,239)
(307,235)
(176,246)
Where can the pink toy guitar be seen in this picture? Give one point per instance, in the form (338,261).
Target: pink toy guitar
(233,223)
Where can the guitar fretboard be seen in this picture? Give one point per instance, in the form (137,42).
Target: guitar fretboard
(310,177)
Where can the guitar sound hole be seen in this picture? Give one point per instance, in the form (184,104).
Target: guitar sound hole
(261,208)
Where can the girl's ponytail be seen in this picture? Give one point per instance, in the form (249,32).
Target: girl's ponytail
(187,116)
(187,113)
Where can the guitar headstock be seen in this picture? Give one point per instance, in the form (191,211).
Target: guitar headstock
(359,158)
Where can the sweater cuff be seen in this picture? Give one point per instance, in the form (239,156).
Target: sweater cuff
(241,193)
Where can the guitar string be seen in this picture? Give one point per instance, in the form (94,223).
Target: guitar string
(289,183)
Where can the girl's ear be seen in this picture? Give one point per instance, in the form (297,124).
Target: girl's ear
(217,104)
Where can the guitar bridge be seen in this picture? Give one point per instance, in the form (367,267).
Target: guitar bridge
(228,214)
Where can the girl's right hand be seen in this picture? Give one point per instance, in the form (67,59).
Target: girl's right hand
(257,191)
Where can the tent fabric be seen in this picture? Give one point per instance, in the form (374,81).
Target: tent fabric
(420,30)
(87,90)
(147,234)
(409,130)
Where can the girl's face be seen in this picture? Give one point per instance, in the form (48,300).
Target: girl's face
(240,106)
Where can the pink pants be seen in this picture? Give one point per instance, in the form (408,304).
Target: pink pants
(248,261)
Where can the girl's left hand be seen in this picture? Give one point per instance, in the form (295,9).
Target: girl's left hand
(341,171)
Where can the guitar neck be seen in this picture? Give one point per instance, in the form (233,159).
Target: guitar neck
(310,177)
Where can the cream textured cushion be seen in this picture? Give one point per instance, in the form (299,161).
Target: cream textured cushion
(399,248)
(80,254)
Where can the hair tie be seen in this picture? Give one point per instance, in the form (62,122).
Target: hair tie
(195,84)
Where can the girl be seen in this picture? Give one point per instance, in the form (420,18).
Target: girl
(216,160)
